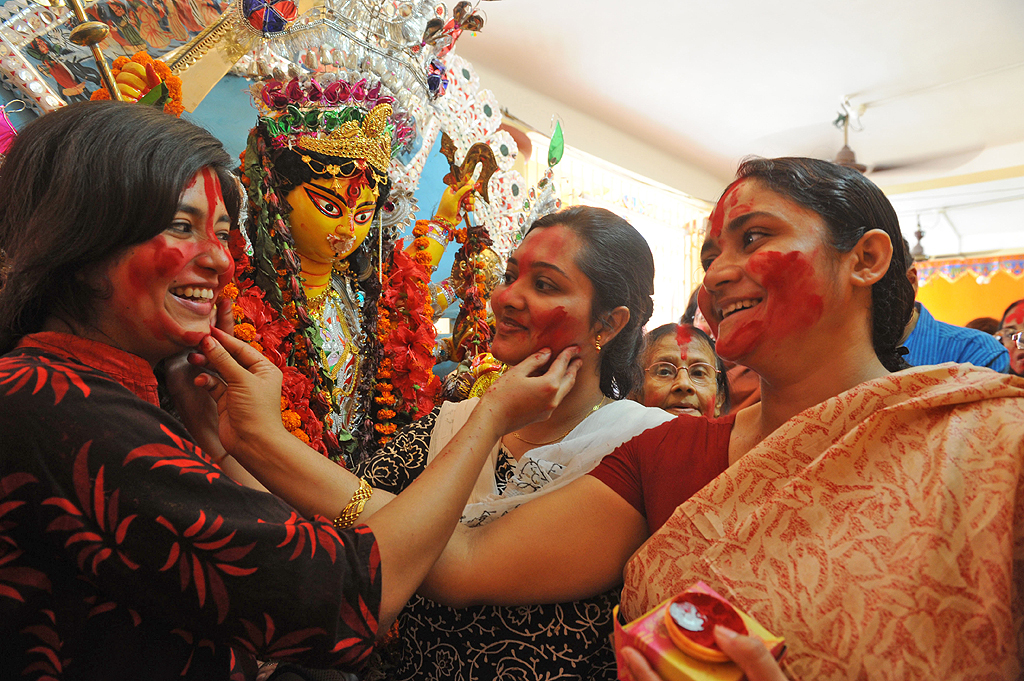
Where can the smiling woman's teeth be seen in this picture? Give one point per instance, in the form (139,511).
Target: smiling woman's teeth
(742,305)
(197,293)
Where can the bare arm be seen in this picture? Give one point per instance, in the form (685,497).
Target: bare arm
(412,529)
(566,545)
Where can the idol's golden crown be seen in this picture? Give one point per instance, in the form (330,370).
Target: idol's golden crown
(371,141)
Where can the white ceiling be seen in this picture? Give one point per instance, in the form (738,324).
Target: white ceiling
(703,83)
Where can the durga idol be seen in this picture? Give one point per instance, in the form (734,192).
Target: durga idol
(326,293)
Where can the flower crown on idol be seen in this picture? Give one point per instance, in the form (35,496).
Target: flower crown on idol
(332,117)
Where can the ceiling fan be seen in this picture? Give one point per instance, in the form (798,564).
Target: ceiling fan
(846,157)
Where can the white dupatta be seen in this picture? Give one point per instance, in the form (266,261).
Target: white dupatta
(549,467)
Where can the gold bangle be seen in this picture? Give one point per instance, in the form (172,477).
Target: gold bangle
(351,512)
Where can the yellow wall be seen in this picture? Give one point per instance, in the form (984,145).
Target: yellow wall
(966,299)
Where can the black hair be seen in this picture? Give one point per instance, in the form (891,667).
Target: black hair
(618,262)
(79,186)
(651,339)
(690,313)
(850,205)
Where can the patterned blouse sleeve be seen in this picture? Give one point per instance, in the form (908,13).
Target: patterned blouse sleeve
(165,535)
(402,460)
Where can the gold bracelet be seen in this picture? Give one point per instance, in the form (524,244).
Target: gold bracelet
(351,512)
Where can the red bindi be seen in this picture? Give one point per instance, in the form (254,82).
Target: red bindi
(683,338)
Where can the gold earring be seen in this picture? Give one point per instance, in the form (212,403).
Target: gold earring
(597,343)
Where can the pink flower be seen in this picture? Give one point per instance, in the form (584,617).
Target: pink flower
(296,95)
(272,95)
(336,92)
(358,91)
(316,92)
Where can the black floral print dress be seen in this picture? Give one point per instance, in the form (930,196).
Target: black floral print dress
(126,554)
(433,642)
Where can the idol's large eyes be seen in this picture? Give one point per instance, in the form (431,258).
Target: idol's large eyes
(324,204)
(364,215)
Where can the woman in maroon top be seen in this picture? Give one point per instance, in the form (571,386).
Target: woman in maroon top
(125,552)
(799,265)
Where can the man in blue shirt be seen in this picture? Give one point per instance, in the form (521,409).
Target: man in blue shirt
(933,342)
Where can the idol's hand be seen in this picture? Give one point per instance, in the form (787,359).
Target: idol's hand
(456,199)
(528,393)
(247,389)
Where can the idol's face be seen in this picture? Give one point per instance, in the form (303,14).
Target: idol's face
(545,300)
(769,273)
(163,292)
(680,377)
(331,217)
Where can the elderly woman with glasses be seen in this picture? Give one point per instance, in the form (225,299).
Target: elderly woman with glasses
(682,373)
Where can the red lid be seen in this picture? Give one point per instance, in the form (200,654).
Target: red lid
(691,618)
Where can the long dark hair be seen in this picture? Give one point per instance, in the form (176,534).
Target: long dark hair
(850,205)
(618,262)
(651,339)
(82,184)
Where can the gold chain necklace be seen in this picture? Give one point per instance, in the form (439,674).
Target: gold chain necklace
(315,305)
(562,436)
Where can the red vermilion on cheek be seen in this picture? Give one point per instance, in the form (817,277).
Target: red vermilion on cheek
(793,301)
(553,331)
(793,294)
(155,262)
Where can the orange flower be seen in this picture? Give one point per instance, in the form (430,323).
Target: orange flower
(230,291)
(118,63)
(246,332)
(301,434)
(284,403)
(291,420)
(257,346)
(100,94)
(164,71)
(142,57)
(173,108)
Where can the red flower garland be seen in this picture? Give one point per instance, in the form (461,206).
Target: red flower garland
(407,366)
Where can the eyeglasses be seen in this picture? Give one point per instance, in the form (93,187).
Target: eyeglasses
(1009,336)
(699,373)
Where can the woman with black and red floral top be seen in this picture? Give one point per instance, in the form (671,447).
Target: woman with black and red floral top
(126,552)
